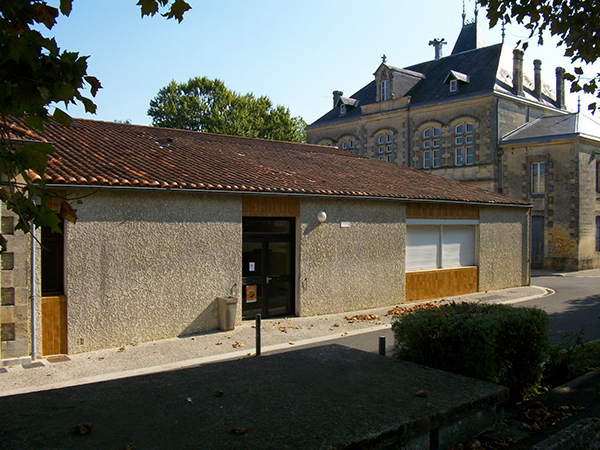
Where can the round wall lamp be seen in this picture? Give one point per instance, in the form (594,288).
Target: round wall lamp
(322,216)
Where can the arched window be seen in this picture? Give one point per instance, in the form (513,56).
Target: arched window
(430,136)
(463,144)
(347,144)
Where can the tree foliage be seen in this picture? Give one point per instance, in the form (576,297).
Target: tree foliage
(207,105)
(575,22)
(38,75)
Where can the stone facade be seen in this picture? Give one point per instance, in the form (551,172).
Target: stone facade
(460,135)
(569,205)
(15,310)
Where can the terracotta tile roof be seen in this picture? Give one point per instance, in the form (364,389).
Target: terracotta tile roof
(98,153)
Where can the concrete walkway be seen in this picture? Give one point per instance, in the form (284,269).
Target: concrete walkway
(178,353)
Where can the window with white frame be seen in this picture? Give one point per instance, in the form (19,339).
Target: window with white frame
(384,143)
(436,158)
(538,177)
(390,158)
(453,85)
(431,137)
(440,244)
(426,159)
(347,144)
(463,144)
(385,94)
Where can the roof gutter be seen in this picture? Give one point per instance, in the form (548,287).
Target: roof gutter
(287,194)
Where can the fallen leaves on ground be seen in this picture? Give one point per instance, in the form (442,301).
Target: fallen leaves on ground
(401,310)
(282,329)
(540,416)
(219,343)
(122,349)
(238,344)
(239,430)
(129,447)
(362,318)
(421,394)
(219,393)
(83,428)
(345,334)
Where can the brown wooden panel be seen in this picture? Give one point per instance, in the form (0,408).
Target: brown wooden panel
(54,325)
(441,211)
(441,283)
(270,207)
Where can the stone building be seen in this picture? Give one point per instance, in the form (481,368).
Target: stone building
(172,219)
(554,162)
(447,116)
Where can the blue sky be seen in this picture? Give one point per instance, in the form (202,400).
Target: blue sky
(294,52)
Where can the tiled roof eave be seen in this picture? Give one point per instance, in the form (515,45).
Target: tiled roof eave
(323,193)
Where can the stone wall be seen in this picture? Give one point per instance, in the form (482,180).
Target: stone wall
(15,309)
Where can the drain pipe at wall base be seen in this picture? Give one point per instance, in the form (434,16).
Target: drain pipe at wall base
(33,241)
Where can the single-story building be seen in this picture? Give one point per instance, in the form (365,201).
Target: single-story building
(169,220)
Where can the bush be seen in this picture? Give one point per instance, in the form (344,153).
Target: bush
(497,343)
(573,357)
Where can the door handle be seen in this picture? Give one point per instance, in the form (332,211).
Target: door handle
(269,279)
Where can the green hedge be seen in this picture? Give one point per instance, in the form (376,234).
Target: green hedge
(497,343)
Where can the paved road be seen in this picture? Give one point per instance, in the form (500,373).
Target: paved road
(574,305)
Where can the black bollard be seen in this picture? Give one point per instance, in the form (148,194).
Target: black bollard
(382,345)
(258,335)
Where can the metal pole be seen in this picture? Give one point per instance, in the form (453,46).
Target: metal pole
(258,335)
(382,345)
(33,242)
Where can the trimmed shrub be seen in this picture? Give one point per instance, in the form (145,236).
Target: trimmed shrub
(491,342)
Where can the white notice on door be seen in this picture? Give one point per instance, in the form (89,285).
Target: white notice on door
(251,268)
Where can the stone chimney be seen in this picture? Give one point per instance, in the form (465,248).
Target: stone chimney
(437,44)
(518,71)
(336,96)
(560,87)
(537,69)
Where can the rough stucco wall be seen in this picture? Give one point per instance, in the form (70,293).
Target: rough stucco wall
(146,266)
(503,247)
(346,269)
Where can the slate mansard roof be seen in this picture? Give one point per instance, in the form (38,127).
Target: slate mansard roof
(489,69)
(114,155)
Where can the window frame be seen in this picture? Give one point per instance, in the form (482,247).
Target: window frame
(538,177)
(427,159)
(435,163)
(453,85)
(385,90)
(458,156)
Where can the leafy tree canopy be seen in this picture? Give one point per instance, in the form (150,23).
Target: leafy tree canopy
(575,22)
(207,105)
(37,75)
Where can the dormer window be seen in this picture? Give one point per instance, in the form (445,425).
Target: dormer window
(385,92)
(455,79)
(343,109)
(453,85)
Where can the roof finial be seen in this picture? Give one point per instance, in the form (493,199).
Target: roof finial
(578,104)
(464,14)
(383,58)
(476,11)
(503,29)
